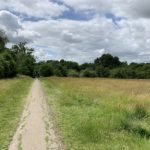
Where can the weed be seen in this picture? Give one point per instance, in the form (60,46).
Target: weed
(140,112)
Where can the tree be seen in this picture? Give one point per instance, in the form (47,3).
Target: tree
(7,65)
(123,73)
(24,59)
(46,70)
(21,48)
(57,72)
(88,73)
(107,60)
(102,71)
(87,66)
(7,62)
(3,40)
(72,73)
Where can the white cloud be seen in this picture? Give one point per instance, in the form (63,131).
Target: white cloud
(34,8)
(140,8)
(81,41)
(9,21)
(70,37)
(127,8)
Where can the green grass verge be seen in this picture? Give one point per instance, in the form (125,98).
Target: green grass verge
(94,114)
(12,98)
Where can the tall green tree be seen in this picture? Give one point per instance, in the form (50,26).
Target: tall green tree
(7,62)
(3,40)
(107,60)
(24,59)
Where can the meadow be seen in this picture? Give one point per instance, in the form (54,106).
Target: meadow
(106,114)
(12,99)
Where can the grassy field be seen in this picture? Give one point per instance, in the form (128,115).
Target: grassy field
(12,96)
(101,114)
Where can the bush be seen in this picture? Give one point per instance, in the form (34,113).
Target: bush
(102,72)
(57,73)
(26,66)
(46,70)
(7,65)
(88,73)
(123,73)
(72,73)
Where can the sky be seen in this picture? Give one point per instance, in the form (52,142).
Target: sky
(79,30)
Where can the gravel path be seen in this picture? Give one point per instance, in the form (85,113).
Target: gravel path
(36,130)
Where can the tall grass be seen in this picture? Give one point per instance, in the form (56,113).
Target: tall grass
(95,114)
(12,96)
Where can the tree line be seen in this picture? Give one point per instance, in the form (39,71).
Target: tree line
(15,60)
(19,59)
(106,66)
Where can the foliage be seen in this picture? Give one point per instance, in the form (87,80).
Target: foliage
(3,40)
(17,60)
(102,71)
(123,73)
(24,59)
(72,73)
(20,60)
(107,60)
(88,73)
(46,70)
(105,66)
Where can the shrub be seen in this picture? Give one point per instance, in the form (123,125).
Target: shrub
(123,73)
(102,71)
(57,73)
(46,70)
(7,65)
(88,73)
(72,73)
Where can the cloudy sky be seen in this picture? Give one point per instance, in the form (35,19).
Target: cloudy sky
(79,30)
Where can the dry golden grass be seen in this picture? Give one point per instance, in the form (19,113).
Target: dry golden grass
(95,114)
(5,84)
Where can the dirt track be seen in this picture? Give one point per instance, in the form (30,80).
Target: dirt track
(36,130)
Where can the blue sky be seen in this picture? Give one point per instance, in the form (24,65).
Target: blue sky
(79,30)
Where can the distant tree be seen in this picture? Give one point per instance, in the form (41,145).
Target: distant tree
(27,66)
(57,72)
(69,64)
(107,60)
(87,66)
(102,71)
(7,65)
(24,59)
(3,40)
(88,73)
(7,62)
(46,70)
(20,60)
(72,73)
(63,71)
(123,73)
(21,48)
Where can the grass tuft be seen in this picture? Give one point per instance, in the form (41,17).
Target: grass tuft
(133,122)
(140,112)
